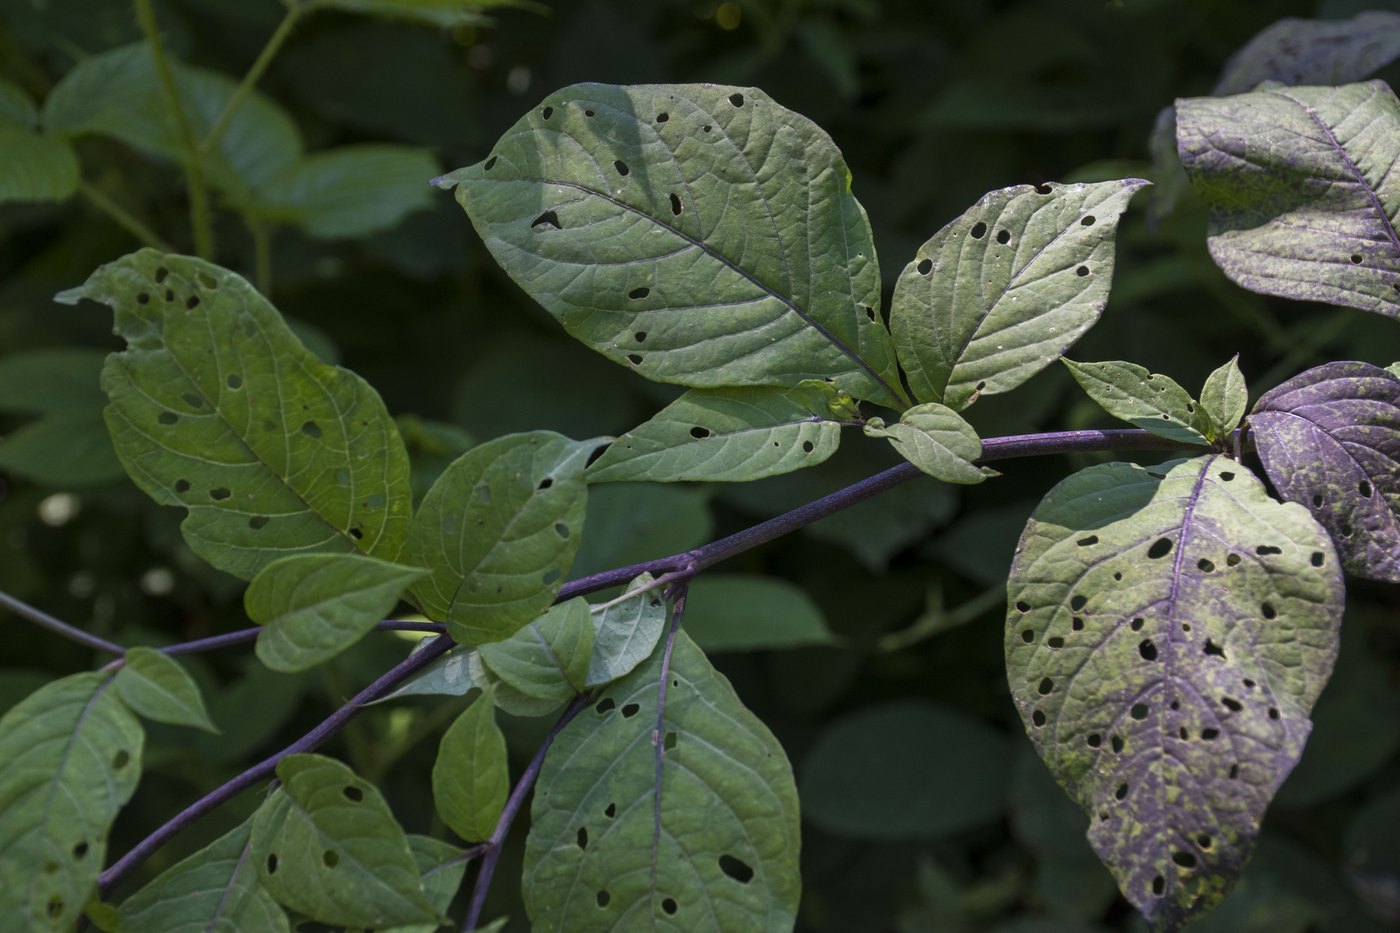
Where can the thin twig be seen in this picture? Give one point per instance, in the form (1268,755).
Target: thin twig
(255,73)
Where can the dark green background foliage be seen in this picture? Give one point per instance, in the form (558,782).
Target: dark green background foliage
(949,823)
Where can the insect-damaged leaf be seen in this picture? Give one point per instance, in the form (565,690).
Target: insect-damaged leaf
(1303,186)
(1150,401)
(699,234)
(217,407)
(1330,439)
(935,439)
(1168,631)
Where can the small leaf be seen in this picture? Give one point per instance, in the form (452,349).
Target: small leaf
(326,846)
(157,687)
(998,294)
(498,532)
(1225,398)
(1169,630)
(1330,439)
(471,776)
(935,439)
(215,889)
(1147,400)
(1313,51)
(1302,189)
(217,407)
(449,675)
(739,612)
(625,631)
(314,606)
(70,756)
(714,845)
(549,657)
(725,435)
(37,168)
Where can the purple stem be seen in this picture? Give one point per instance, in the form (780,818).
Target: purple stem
(72,633)
(214,642)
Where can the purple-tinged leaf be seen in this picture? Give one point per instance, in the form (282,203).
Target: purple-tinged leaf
(1169,629)
(1330,439)
(1314,51)
(1303,188)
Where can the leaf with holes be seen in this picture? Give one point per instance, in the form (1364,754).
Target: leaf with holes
(726,435)
(215,889)
(935,439)
(625,631)
(700,234)
(498,532)
(1330,440)
(217,407)
(998,294)
(549,657)
(1168,632)
(1147,400)
(313,606)
(158,688)
(685,820)
(471,777)
(70,755)
(1303,186)
(326,846)
(1224,399)
(1313,51)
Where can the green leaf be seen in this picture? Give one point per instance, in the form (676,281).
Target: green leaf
(999,293)
(1146,400)
(326,846)
(215,889)
(16,106)
(722,242)
(471,776)
(48,382)
(449,675)
(157,687)
(625,631)
(935,439)
(218,408)
(314,606)
(441,867)
(70,756)
(549,657)
(725,435)
(64,449)
(717,849)
(37,168)
(1225,398)
(1303,188)
(1169,630)
(498,532)
(738,612)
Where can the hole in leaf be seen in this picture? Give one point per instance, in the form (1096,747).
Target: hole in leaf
(1185,735)
(736,869)
(1046,686)
(588,113)
(1205,566)
(1077,624)
(669,905)
(1160,548)
(1269,611)
(1210,734)
(1249,684)
(700,433)
(582,838)
(311,429)
(562,530)
(1174,705)
(272,863)
(1316,559)
(1264,550)
(352,793)
(192,302)
(1273,712)
(1213,649)
(736,99)
(1139,711)
(142,298)
(637,294)
(669,742)
(602,898)
(258,522)
(1038,718)
(330,859)
(1087,220)
(610,810)
(167,417)
(161,274)
(808,447)
(1232,559)
(640,336)
(547,219)
(1077,603)
(357,533)
(1234,772)
(1121,793)
(1003,237)
(675,204)
(490,164)
(630,710)
(234,381)
(1055,642)
(870,313)
(1094,740)
(979,230)
(924,267)
(621,167)
(1231,704)
(1085,542)
(1022,606)
(1082,271)
(635,359)
(1204,841)
(1317,500)
(1117,743)
(1344,529)
(192,400)
(1226,475)
(605,705)
(1148,650)
(80,850)
(707,127)
(1184,859)
(1159,885)
(662,117)
(182,485)
(219,494)
(1136,624)
(1043,189)
(544,483)
(547,112)
(1356,259)
(1028,636)
(1117,575)
(1364,488)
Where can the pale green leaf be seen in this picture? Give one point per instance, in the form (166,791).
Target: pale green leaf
(218,408)
(155,686)
(215,890)
(65,449)
(37,167)
(699,234)
(498,532)
(713,846)
(1146,400)
(314,606)
(935,439)
(725,435)
(738,612)
(999,293)
(1168,632)
(471,776)
(1394,368)
(16,106)
(549,657)
(625,631)
(449,675)
(1225,398)
(326,846)
(70,756)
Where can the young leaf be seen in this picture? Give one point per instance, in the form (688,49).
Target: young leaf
(314,606)
(37,167)
(449,675)
(722,242)
(1330,440)
(1149,401)
(498,532)
(1313,51)
(685,820)
(471,776)
(215,889)
(935,439)
(1224,399)
(70,755)
(725,435)
(999,293)
(1302,186)
(217,407)
(625,632)
(742,612)
(326,845)
(1168,632)
(157,687)
(549,657)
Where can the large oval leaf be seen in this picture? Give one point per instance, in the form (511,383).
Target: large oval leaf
(700,234)
(1169,630)
(1330,439)
(217,407)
